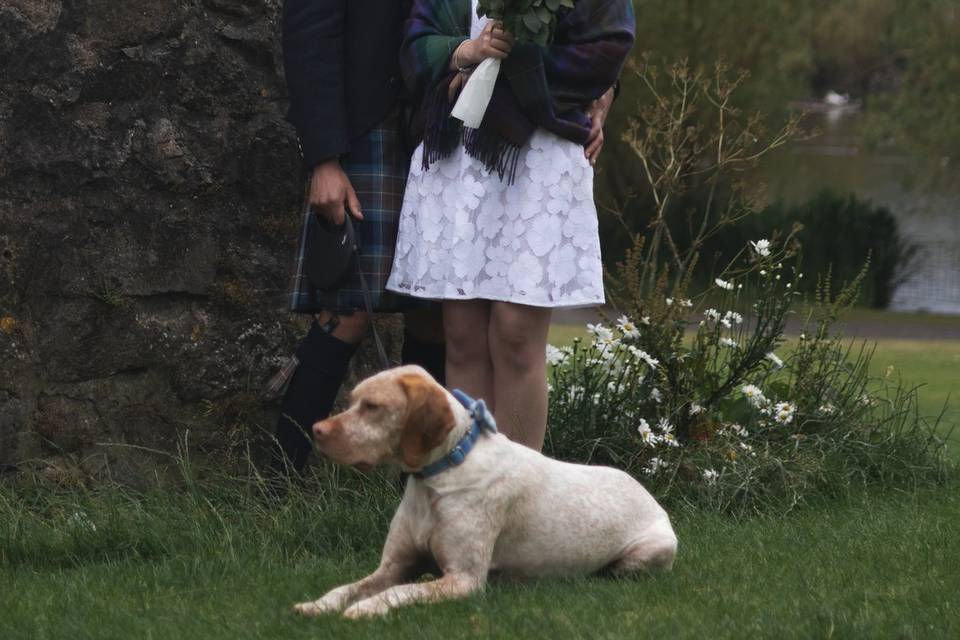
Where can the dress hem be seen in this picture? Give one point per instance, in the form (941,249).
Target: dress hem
(426,295)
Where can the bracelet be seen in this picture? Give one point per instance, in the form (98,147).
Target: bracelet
(456,59)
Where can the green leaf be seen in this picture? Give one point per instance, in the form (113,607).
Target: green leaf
(532,22)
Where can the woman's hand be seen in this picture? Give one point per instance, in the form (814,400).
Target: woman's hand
(597,111)
(493,42)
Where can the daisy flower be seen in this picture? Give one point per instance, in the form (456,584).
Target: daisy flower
(762,247)
(600,332)
(653,466)
(555,356)
(628,328)
(783,412)
(723,284)
(647,435)
(710,476)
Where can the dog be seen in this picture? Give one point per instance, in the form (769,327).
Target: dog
(477,504)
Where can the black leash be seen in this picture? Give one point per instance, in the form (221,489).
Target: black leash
(368,303)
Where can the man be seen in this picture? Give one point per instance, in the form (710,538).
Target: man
(341,59)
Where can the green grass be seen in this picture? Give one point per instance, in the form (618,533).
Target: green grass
(215,561)
(215,566)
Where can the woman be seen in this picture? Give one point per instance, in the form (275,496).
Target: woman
(499,223)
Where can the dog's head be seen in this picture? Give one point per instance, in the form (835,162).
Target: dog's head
(398,416)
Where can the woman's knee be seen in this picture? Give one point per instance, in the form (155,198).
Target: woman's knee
(465,330)
(518,338)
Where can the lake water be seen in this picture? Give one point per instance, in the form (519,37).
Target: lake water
(926,205)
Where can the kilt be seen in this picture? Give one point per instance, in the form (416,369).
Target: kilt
(377,166)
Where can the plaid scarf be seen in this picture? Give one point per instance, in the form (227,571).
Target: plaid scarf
(546,87)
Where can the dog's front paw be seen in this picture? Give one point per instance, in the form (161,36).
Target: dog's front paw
(369,608)
(313,609)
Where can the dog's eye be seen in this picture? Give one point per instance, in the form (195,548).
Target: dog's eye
(366,405)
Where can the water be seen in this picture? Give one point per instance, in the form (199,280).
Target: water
(925,202)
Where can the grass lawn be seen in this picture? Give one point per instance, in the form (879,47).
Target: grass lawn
(216,562)
(204,567)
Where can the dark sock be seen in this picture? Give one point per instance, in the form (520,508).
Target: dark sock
(311,393)
(432,356)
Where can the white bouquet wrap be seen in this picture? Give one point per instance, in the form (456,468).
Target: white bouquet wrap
(475,97)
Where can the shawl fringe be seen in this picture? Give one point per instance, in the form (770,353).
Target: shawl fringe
(497,154)
(443,133)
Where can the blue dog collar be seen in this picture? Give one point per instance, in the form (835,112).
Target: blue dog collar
(482,420)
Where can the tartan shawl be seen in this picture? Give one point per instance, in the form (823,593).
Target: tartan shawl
(539,86)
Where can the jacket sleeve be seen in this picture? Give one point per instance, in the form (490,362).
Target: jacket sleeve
(313,60)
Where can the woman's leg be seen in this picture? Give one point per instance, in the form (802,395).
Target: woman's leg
(518,341)
(466,325)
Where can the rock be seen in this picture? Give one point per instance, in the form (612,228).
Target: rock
(149,209)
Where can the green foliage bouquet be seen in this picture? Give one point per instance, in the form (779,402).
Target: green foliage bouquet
(528,20)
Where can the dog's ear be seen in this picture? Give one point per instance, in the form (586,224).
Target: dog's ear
(428,421)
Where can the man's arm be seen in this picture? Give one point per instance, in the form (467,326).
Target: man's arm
(313,61)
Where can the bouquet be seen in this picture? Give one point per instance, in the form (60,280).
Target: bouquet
(529,21)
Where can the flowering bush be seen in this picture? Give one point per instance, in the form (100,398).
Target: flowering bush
(729,416)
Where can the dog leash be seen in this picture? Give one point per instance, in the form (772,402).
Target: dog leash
(368,303)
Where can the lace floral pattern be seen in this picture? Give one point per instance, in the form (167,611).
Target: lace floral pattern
(465,234)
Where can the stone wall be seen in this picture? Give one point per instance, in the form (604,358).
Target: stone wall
(149,196)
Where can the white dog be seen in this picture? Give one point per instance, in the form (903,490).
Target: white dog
(477,502)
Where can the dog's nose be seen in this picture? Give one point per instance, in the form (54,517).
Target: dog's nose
(323,429)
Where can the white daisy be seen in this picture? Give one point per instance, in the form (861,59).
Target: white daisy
(555,356)
(628,328)
(695,409)
(723,284)
(710,476)
(783,412)
(656,396)
(734,317)
(777,362)
(647,436)
(653,466)
(727,342)
(762,247)
(712,314)
(602,333)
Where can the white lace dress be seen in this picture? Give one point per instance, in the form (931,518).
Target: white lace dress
(465,234)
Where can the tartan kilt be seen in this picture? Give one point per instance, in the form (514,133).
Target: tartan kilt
(377,166)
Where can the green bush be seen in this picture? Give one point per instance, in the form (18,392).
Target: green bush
(839,234)
(729,419)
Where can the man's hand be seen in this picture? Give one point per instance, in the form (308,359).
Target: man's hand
(331,193)
(597,112)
